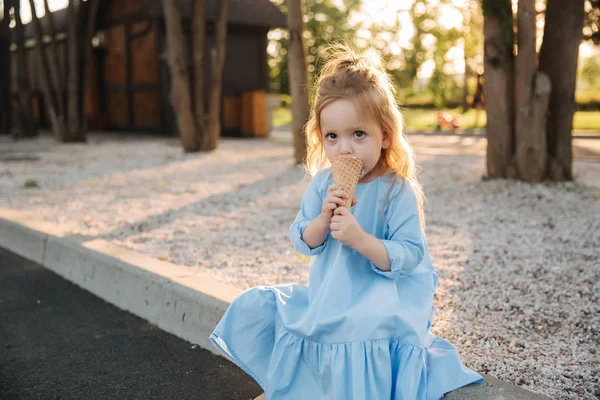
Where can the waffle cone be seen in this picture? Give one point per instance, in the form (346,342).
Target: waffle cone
(346,173)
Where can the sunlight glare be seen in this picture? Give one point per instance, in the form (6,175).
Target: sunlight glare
(53,5)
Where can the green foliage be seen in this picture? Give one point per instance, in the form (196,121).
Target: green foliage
(589,73)
(282,116)
(325,22)
(502,11)
(591,28)
(416,55)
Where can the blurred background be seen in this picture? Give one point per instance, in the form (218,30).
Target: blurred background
(433,50)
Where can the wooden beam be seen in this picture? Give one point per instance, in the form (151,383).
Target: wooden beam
(263,67)
(26,120)
(125,19)
(137,86)
(128,71)
(86,55)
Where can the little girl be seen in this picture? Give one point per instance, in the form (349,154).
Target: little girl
(360,329)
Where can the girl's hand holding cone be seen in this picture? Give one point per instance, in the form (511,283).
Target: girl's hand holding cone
(336,197)
(346,171)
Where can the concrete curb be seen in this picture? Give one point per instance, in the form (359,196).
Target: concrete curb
(187,305)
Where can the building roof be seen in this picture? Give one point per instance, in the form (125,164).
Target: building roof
(256,13)
(241,12)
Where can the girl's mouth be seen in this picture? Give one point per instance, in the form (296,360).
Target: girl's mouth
(362,173)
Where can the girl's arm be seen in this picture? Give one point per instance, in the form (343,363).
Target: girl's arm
(374,249)
(307,233)
(404,245)
(316,231)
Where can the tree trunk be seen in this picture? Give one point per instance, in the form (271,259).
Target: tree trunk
(180,78)
(86,49)
(26,121)
(218,62)
(72,73)
(56,63)
(498,87)
(298,78)
(465,97)
(531,98)
(198,42)
(49,94)
(558,59)
(5,71)
(466,22)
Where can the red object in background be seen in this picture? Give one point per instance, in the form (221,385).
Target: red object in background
(447,121)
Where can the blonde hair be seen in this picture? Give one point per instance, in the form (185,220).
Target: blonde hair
(348,75)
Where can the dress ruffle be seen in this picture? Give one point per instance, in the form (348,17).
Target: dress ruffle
(289,366)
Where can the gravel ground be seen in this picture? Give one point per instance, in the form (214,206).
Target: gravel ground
(518,264)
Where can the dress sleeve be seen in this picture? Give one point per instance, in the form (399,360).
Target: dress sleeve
(404,242)
(310,208)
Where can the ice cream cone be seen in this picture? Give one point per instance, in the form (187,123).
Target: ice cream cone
(346,173)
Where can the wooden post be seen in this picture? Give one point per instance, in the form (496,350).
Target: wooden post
(218,62)
(51,101)
(57,65)
(198,45)
(180,78)
(531,94)
(298,77)
(498,87)
(558,58)
(5,71)
(73,69)
(26,121)
(86,49)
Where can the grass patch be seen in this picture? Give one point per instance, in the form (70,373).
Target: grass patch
(282,116)
(587,120)
(423,119)
(418,119)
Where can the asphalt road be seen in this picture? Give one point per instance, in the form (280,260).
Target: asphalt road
(58,341)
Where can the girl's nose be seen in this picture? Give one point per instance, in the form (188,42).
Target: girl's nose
(346,149)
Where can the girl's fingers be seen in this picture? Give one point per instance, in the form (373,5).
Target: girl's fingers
(354,201)
(335,200)
(337,191)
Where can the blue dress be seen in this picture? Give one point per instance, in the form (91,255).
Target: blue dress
(355,332)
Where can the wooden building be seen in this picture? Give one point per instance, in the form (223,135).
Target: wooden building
(129,79)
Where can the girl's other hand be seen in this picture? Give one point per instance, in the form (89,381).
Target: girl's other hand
(345,228)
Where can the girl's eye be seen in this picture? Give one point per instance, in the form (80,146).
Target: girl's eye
(359,134)
(331,136)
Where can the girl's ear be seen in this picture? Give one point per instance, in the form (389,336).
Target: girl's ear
(385,143)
